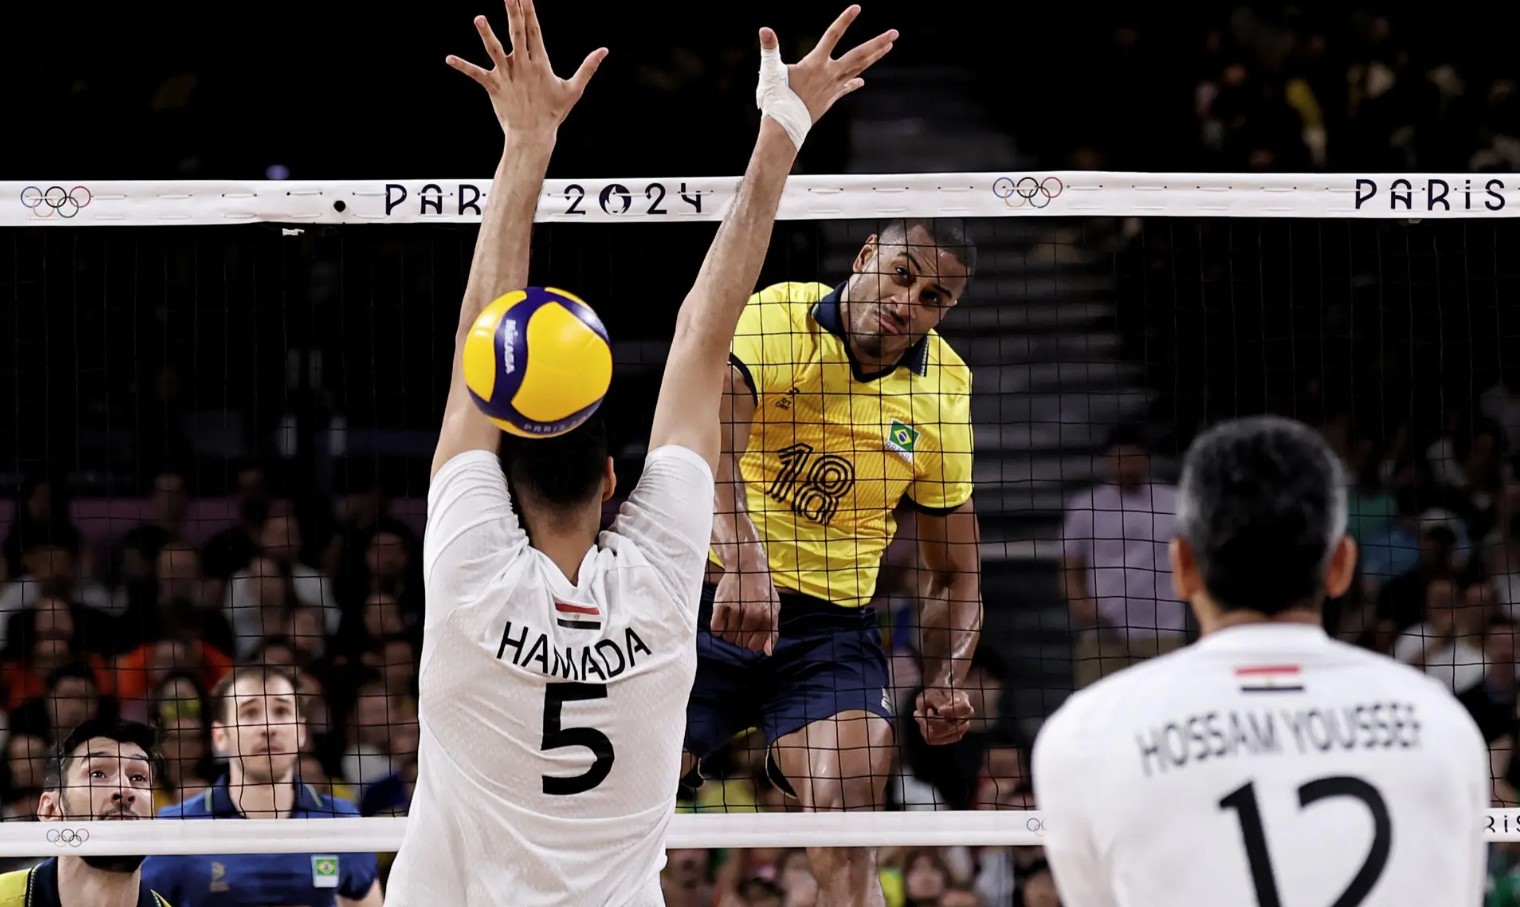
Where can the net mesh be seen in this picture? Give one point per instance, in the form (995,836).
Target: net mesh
(220,432)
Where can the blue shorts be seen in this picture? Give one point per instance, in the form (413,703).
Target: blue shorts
(827,660)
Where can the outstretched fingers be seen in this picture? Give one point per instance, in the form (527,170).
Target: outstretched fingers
(587,69)
(533,35)
(488,38)
(517,28)
(466,67)
(865,56)
(835,32)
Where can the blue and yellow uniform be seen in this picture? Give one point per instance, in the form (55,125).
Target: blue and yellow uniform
(38,887)
(253,880)
(833,450)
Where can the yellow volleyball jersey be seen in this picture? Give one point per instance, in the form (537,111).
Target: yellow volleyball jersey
(834,450)
(13,888)
(38,887)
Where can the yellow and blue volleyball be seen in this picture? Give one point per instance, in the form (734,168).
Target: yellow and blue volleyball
(537,362)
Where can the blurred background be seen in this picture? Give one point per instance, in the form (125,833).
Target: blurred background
(215,438)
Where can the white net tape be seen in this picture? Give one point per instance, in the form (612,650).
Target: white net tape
(695,830)
(42,203)
(678,199)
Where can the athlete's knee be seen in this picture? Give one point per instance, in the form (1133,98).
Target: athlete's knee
(847,792)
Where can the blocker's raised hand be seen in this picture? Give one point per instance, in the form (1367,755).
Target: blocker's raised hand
(524,90)
(818,79)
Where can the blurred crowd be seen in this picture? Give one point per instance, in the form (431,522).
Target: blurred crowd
(139,607)
(1436,516)
(1268,86)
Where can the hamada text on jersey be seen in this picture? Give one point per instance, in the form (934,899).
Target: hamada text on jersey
(600,660)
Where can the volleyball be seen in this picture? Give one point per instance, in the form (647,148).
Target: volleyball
(537,362)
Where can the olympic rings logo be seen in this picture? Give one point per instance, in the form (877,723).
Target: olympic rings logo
(67,837)
(56,200)
(1027,191)
(1036,825)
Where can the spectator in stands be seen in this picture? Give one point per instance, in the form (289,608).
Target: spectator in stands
(263,606)
(1447,644)
(42,640)
(279,544)
(1421,539)
(137,554)
(1114,568)
(230,550)
(962,897)
(26,757)
(255,722)
(685,880)
(178,594)
(181,648)
(925,876)
(181,708)
(1501,403)
(1038,887)
(1502,566)
(372,728)
(39,503)
(392,795)
(73,696)
(1401,602)
(361,515)
(50,559)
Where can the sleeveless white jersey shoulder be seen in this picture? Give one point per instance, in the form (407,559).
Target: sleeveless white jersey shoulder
(552,715)
(1264,764)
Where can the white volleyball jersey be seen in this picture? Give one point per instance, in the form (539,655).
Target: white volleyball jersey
(552,715)
(1265,765)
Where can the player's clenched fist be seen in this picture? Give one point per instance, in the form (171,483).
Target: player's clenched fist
(746,610)
(944,715)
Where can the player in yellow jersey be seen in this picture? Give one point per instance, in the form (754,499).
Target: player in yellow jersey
(843,402)
(102,770)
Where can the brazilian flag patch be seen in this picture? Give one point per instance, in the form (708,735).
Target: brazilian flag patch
(901,437)
(324,871)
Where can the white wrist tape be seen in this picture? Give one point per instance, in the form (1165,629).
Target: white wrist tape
(775,98)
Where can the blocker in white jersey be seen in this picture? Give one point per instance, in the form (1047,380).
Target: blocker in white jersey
(557,659)
(550,749)
(1267,765)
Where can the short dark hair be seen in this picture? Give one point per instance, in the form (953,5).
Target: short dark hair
(119,730)
(948,233)
(1262,504)
(559,471)
(222,693)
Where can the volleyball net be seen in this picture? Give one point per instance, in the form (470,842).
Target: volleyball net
(222,397)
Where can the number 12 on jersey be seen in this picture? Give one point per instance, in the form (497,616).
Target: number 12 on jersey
(557,736)
(1243,801)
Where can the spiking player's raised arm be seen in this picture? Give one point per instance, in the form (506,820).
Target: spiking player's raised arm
(792,98)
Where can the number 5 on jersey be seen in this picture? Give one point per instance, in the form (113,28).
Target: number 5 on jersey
(556,736)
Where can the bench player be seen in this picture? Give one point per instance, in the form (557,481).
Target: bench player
(1268,764)
(102,769)
(556,661)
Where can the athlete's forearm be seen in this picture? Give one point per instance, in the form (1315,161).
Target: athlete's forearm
(735,538)
(506,225)
(950,626)
(711,309)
